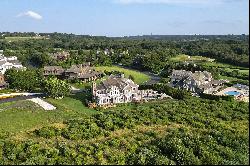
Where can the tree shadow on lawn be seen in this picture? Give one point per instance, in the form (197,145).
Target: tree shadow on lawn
(81,96)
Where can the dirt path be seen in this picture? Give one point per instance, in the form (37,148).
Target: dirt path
(43,104)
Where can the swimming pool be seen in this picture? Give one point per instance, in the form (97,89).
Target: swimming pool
(232,93)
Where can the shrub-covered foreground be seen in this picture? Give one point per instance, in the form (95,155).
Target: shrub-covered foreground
(190,131)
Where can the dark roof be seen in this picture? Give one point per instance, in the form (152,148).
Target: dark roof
(79,68)
(73,69)
(181,74)
(86,75)
(112,82)
(121,83)
(57,69)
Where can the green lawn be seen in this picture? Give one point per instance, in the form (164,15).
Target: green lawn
(183,57)
(25,115)
(73,104)
(23,38)
(139,77)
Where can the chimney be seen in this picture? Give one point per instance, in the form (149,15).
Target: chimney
(94,89)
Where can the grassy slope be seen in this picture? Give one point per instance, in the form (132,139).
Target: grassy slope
(25,115)
(75,103)
(139,77)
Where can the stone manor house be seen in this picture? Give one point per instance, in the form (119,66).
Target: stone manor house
(117,89)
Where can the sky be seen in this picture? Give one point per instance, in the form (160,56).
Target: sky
(126,17)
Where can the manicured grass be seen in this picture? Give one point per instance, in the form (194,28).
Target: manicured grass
(24,115)
(184,57)
(139,77)
(74,104)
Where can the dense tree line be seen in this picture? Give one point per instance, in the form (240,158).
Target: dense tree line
(144,54)
(230,51)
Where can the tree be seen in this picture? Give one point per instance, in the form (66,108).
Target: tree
(56,88)
(131,77)
(27,80)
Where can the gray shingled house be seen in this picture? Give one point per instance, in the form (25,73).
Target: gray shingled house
(197,82)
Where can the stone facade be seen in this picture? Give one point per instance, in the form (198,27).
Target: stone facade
(117,89)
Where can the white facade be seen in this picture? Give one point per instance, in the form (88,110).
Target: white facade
(5,63)
(122,90)
(114,94)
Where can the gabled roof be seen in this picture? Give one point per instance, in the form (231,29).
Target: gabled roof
(180,74)
(73,69)
(121,83)
(58,70)
(78,68)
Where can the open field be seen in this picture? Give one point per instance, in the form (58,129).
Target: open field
(24,115)
(75,103)
(184,57)
(23,38)
(210,62)
(139,77)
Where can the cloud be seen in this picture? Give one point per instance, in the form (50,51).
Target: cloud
(174,1)
(30,14)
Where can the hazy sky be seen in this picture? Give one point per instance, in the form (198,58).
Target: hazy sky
(125,17)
